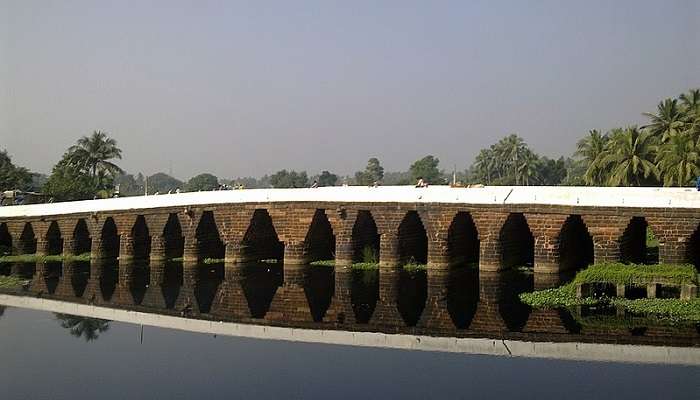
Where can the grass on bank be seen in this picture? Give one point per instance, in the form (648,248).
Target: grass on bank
(29,258)
(629,274)
(12,282)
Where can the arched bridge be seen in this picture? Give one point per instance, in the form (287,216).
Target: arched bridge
(551,228)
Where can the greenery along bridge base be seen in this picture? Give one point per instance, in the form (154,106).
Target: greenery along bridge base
(625,274)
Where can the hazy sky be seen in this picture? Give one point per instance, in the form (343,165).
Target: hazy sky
(247,88)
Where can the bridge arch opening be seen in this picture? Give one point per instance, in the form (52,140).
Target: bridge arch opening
(54,240)
(27,240)
(638,244)
(517,245)
(207,284)
(259,287)
(173,239)
(462,296)
(319,243)
(463,241)
(365,239)
(412,240)
(142,239)
(412,294)
(5,240)
(109,277)
(575,245)
(110,239)
(81,238)
(319,287)
(209,243)
(693,249)
(260,241)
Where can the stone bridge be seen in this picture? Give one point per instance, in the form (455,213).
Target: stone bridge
(551,228)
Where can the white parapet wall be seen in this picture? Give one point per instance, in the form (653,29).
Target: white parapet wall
(541,195)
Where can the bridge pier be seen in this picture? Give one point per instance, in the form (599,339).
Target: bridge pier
(295,253)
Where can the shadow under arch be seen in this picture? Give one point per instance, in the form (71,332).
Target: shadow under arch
(638,244)
(260,282)
(141,238)
(260,241)
(693,249)
(365,238)
(5,240)
(209,278)
(82,243)
(412,240)
(110,239)
(54,240)
(27,240)
(463,241)
(411,296)
(364,294)
(173,239)
(462,296)
(319,243)
(575,245)
(209,243)
(319,287)
(517,245)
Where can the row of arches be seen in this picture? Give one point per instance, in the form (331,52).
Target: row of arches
(261,242)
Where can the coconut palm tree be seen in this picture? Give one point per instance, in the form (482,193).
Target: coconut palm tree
(678,160)
(93,154)
(629,157)
(668,121)
(89,328)
(690,103)
(509,150)
(588,149)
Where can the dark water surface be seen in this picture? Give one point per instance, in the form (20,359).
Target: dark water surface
(57,356)
(41,360)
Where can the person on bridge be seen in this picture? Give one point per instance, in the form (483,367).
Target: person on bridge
(314,185)
(421,183)
(697,184)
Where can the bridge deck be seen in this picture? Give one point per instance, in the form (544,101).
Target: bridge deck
(541,195)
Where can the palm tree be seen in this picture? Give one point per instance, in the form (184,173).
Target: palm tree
(527,168)
(690,103)
(629,158)
(93,154)
(89,328)
(678,160)
(668,121)
(509,150)
(589,149)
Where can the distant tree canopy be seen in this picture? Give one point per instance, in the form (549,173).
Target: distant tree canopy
(12,176)
(327,179)
(129,185)
(163,183)
(427,168)
(68,182)
(289,179)
(373,172)
(202,182)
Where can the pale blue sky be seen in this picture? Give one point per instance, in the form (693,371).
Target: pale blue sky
(247,88)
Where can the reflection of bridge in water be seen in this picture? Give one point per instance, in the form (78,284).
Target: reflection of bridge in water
(314,305)
(461,304)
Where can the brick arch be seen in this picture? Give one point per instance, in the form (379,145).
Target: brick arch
(209,242)
(82,243)
(633,243)
(364,238)
(517,244)
(109,237)
(575,244)
(260,241)
(141,238)
(27,240)
(5,239)
(412,240)
(319,243)
(173,238)
(54,240)
(462,240)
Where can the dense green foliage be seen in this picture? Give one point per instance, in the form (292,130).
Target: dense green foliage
(327,179)
(163,183)
(289,179)
(32,258)
(427,168)
(637,273)
(374,172)
(12,282)
(202,182)
(11,176)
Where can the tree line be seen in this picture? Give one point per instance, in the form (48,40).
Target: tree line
(665,151)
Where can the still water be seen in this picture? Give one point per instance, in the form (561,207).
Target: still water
(50,355)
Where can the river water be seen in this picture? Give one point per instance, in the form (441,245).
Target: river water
(49,354)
